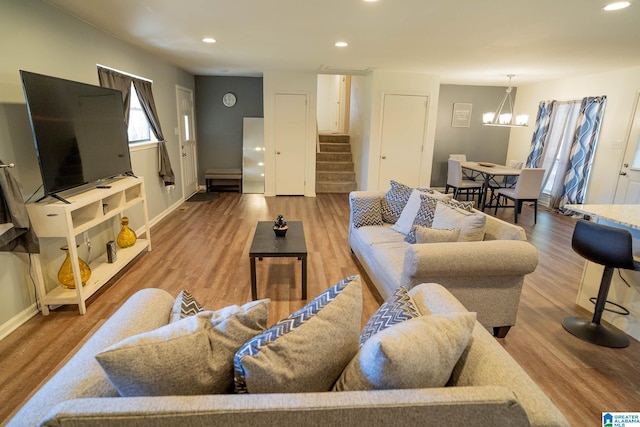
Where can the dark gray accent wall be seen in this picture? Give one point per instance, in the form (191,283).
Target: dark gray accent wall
(219,128)
(478,142)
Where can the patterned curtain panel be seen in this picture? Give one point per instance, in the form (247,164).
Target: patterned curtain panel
(583,150)
(540,134)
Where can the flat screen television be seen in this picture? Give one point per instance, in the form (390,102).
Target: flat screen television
(78,130)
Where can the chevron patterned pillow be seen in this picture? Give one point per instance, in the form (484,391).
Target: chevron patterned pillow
(307,351)
(185,306)
(366,211)
(394,201)
(398,308)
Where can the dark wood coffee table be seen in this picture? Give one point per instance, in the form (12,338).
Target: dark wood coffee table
(265,244)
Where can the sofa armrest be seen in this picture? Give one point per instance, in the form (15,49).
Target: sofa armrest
(459,259)
(469,406)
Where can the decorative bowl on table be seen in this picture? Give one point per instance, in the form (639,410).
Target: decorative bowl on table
(487,164)
(280,226)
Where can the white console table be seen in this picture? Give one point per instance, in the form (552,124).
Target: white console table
(52,218)
(622,216)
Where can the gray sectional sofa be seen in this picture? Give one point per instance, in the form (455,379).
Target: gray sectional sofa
(487,387)
(485,276)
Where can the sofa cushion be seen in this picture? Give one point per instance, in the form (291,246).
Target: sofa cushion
(394,201)
(366,211)
(397,308)
(377,234)
(184,306)
(191,356)
(471,225)
(436,235)
(418,353)
(308,350)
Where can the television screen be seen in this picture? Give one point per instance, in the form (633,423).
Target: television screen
(78,129)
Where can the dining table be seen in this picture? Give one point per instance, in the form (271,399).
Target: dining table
(489,173)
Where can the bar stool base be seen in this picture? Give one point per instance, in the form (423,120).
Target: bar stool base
(595,333)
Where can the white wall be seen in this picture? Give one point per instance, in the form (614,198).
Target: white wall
(289,82)
(401,84)
(620,87)
(37,37)
(360,127)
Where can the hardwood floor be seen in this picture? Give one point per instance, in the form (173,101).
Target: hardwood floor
(204,246)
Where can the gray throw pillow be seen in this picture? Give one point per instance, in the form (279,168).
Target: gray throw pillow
(418,353)
(188,357)
(436,235)
(307,351)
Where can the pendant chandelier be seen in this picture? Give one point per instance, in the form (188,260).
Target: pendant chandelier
(506,119)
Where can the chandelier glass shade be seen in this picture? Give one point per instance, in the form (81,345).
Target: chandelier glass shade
(508,118)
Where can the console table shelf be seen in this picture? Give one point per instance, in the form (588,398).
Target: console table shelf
(55,219)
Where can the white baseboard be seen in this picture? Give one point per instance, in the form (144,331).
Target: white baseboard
(18,320)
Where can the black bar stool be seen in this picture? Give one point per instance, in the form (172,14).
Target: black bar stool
(610,247)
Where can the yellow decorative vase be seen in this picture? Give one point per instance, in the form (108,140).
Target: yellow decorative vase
(65,274)
(126,237)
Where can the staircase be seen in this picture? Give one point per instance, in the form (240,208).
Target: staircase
(334,165)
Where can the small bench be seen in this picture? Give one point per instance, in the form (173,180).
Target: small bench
(225,179)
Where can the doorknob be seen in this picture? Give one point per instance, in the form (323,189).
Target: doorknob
(184,154)
(277,152)
(626,165)
(384,157)
(623,173)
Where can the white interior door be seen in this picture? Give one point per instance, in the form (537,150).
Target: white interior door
(628,188)
(290,143)
(187,139)
(404,119)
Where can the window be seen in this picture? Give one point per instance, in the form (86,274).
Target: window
(558,146)
(139,129)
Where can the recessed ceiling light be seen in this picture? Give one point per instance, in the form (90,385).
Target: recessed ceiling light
(341,44)
(370,1)
(617,5)
(209,40)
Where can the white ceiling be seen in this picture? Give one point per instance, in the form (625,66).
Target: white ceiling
(462,41)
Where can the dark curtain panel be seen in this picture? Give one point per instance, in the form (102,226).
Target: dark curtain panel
(122,82)
(145,95)
(20,237)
